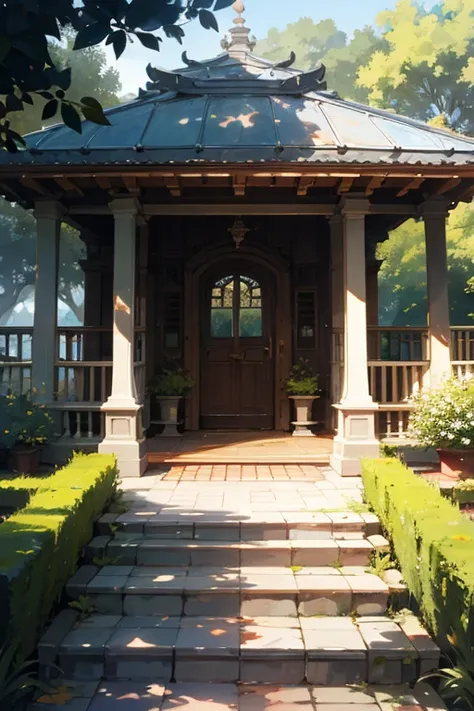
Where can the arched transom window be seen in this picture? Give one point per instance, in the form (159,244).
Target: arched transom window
(236,307)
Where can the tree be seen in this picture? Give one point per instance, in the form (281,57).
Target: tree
(427,66)
(29,69)
(402,278)
(90,73)
(316,42)
(17,262)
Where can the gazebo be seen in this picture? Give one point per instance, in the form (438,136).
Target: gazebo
(231,215)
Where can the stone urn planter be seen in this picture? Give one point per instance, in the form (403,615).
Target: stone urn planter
(303,409)
(457,463)
(167,390)
(302,389)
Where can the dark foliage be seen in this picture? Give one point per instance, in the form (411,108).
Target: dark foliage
(27,28)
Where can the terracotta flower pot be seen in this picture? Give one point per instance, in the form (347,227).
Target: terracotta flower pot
(24,460)
(457,463)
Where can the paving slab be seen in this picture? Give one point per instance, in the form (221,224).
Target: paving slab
(128,696)
(201,697)
(284,698)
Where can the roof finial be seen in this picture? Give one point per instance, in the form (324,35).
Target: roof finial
(240,41)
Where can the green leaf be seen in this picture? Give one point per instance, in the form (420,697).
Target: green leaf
(91,35)
(26,98)
(50,109)
(208,21)
(13,103)
(221,4)
(93,111)
(118,40)
(149,41)
(71,117)
(63,79)
(174,31)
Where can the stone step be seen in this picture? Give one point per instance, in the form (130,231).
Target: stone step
(206,525)
(110,695)
(137,549)
(230,591)
(323,651)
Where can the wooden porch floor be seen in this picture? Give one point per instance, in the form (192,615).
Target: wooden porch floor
(255,448)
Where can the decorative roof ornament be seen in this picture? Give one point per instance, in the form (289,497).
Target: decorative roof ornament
(240,40)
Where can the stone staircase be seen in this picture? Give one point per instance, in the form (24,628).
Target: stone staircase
(235,604)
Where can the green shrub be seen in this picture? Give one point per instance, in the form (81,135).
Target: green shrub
(41,543)
(433,542)
(171,381)
(302,379)
(463,492)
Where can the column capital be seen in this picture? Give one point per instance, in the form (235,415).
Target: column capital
(354,206)
(434,208)
(124,206)
(49,209)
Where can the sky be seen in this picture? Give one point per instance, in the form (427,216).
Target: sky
(261,15)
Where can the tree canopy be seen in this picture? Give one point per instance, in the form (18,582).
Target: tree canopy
(30,68)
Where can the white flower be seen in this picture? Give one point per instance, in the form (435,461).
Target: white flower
(457,425)
(443,434)
(450,436)
(466,441)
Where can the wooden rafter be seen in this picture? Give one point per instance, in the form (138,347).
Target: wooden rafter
(103,182)
(375,182)
(413,184)
(34,184)
(447,185)
(174,185)
(68,185)
(239,182)
(304,183)
(345,185)
(130,182)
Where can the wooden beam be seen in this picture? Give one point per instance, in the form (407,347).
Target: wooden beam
(68,185)
(374,183)
(304,184)
(413,184)
(447,185)
(345,185)
(35,185)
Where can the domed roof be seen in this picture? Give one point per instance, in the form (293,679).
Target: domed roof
(238,108)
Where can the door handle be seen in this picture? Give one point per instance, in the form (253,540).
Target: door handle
(269,349)
(237,356)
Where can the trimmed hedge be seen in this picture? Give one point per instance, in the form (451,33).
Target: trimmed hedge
(434,544)
(41,543)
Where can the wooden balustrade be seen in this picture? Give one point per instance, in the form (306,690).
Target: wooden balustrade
(85,381)
(396,343)
(462,350)
(15,359)
(79,421)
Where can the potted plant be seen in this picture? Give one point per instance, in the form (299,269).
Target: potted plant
(302,388)
(25,427)
(167,389)
(443,418)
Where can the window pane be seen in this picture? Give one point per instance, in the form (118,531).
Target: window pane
(222,296)
(221,323)
(250,323)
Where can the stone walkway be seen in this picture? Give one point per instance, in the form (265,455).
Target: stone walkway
(243,595)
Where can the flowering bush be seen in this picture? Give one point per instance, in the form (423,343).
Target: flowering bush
(443,417)
(23,421)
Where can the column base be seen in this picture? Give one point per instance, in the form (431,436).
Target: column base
(124,437)
(132,457)
(355,439)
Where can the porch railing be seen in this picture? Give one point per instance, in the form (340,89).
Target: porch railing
(15,359)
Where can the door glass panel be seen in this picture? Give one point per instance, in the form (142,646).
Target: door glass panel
(250,311)
(222,297)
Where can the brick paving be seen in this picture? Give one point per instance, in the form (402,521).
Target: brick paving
(244,472)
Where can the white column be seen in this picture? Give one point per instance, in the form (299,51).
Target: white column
(439,334)
(124,432)
(356,410)
(48,222)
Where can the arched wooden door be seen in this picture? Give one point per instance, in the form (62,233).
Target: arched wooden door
(237,353)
